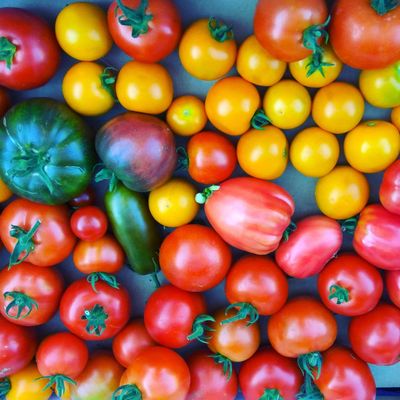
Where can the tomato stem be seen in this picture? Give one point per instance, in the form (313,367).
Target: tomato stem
(107,174)
(20,301)
(202,197)
(127,392)
(153,275)
(260,120)
(225,362)
(271,394)
(108,78)
(137,18)
(96,320)
(340,293)
(219,31)
(7,51)
(5,386)
(382,7)
(243,311)
(110,279)
(290,229)
(309,391)
(349,225)
(58,381)
(310,364)
(200,327)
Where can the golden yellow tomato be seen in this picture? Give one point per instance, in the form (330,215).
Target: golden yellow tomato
(372,146)
(144,87)
(342,193)
(256,65)
(314,152)
(287,104)
(263,153)
(5,192)
(186,115)
(395,117)
(338,107)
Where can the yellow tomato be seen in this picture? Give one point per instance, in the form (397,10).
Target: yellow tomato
(5,192)
(314,152)
(372,146)
(144,87)
(263,153)
(256,65)
(85,90)
(207,49)
(342,193)
(338,107)
(322,76)
(231,104)
(287,104)
(173,203)
(82,31)
(187,115)
(395,117)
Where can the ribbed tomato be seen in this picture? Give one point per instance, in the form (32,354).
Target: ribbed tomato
(389,192)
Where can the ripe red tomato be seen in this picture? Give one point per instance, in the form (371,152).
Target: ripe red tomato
(86,198)
(5,101)
(89,223)
(375,336)
(148,30)
(29,295)
(194,258)
(392,281)
(389,191)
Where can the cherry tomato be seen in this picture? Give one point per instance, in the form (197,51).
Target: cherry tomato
(86,198)
(89,223)
(211,157)
(5,192)
(194,258)
(392,281)
(5,101)
(395,117)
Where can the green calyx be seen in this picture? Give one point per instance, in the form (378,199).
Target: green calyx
(349,225)
(127,392)
(226,363)
(340,293)
(382,7)
(290,229)
(7,51)
(108,78)
(271,394)
(96,320)
(310,364)
(202,197)
(58,382)
(107,174)
(183,159)
(20,301)
(219,31)
(200,327)
(110,279)
(260,120)
(243,311)
(137,18)
(5,387)
(309,391)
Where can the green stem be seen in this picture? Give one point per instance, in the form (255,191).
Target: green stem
(349,225)
(183,159)
(243,311)
(309,391)
(20,301)
(127,392)
(260,120)
(382,7)
(137,18)
(290,229)
(58,382)
(110,279)
(200,327)
(310,364)
(7,51)
(108,78)
(107,174)
(202,197)
(219,31)
(5,387)
(271,394)
(225,362)
(340,293)
(96,320)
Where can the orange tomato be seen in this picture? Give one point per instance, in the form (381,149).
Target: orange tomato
(5,192)
(395,117)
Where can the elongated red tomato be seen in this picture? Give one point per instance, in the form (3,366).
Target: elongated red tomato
(392,280)
(389,191)
(307,250)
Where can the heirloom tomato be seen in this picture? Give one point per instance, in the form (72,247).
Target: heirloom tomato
(5,102)
(89,223)
(395,117)
(392,281)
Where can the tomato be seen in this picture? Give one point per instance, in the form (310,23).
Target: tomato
(61,358)
(314,325)
(29,295)
(268,373)
(211,157)
(256,281)
(102,255)
(186,115)
(231,104)
(18,346)
(256,65)
(207,49)
(263,153)
(29,52)
(173,203)
(389,191)
(86,198)
(392,282)
(372,146)
(375,336)
(130,341)
(89,223)
(342,193)
(349,285)
(147,30)
(208,380)
(338,107)
(158,373)
(94,309)
(43,230)
(145,88)
(194,258)
(307,250)
(287,104)
(395,117)
(5,101)
(5,192)
(314,152)
(170,313)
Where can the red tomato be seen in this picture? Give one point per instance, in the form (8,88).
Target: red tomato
(349,285)
(43,229)
(375,336)
(170,313)
(148,30)
(29,51)
(211,157)
(89,223)
(29,295)
(95,312)
(86,198)
(379,44)
(18,346)
(389,192)
(392,281)
(194,258)
(249,213)
(268,373)
(5,101)
(314,242)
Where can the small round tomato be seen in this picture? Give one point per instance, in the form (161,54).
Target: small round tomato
(89,223)
(263,153)
(211,157)
(144,87)
(207,49)
(86,198)
(395,117)
(392,281)
(173,203)
(287,104)
(231,104)
(314,152)
(82,32)
(338,107)
(342,193)
(5,102)
(186,115)
(372,146)
(256,65)
(5,192)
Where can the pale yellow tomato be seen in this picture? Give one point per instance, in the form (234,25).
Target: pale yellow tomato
(395,117)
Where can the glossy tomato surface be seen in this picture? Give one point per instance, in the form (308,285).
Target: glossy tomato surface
(392,281)
(389,191)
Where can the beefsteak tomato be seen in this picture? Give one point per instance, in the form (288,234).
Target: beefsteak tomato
(392,280)
(389,191)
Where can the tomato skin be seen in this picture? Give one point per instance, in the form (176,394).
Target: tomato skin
(257,280)
(158,42)
(5,192)
(375,336)
(389,191)
(314,242)
(361,279)
(392,281)
(267,369)
(89,223)
(5,101)
(395,117)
